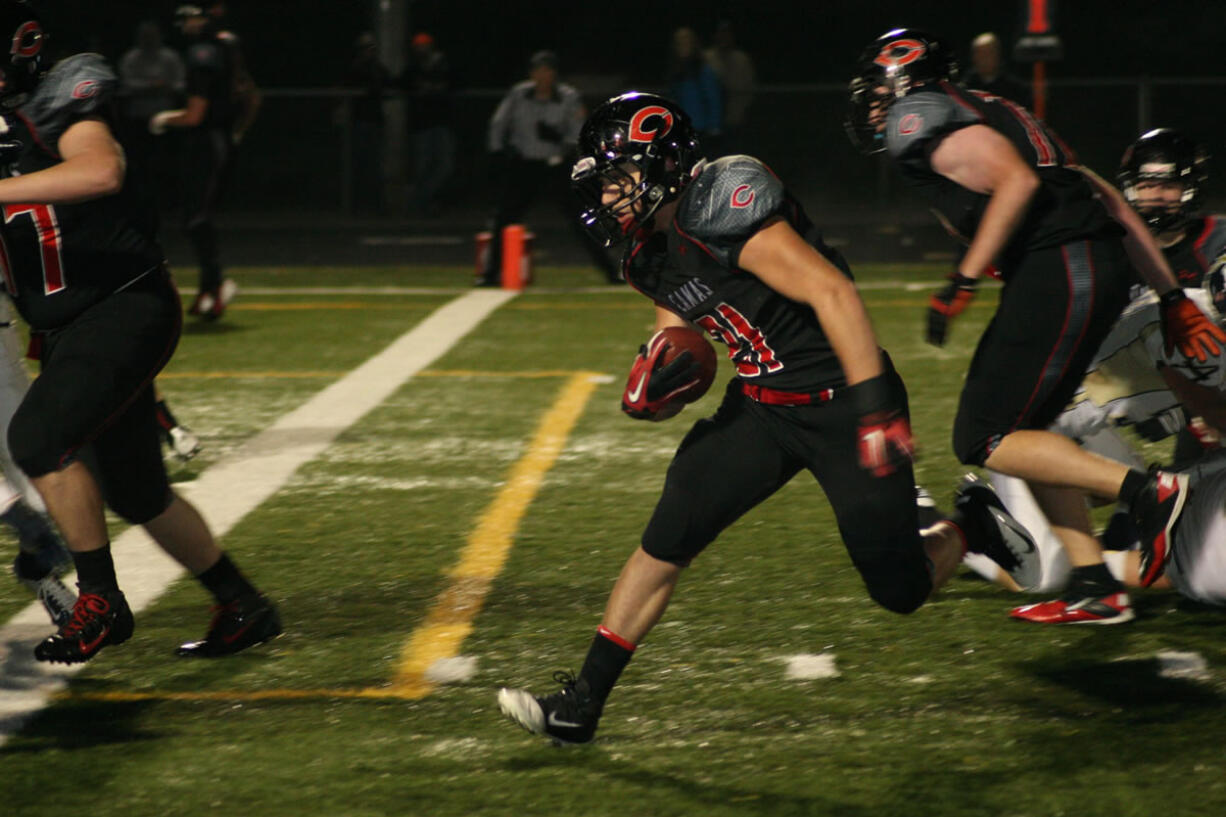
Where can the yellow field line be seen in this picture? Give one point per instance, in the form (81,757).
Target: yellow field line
(217,375)
(450,620)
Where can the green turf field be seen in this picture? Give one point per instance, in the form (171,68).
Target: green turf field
(385,550)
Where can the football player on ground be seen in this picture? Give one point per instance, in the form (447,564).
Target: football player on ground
(1062,239)
(724,246)
(1134,381)
(104,317)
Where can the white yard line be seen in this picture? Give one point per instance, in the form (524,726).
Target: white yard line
(232,488)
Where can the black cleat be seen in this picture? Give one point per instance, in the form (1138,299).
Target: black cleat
(568,716)
(1000,537)
(235,627)
(98,620)
(1156,510)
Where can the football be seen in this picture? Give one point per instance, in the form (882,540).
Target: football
(682,339)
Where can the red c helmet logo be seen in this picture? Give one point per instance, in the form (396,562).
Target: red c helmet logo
(637,132)
(743,196)
(27,39)
(900,52)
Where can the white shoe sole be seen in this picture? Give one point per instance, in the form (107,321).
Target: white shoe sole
(521,707)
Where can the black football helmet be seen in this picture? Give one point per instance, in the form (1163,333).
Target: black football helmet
(23,65)
(632,132)
(1165,155)
(888,69)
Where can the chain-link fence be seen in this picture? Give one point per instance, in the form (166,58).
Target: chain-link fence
(298,156)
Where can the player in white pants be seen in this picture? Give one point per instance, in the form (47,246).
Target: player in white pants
(42,558)
(1135,381)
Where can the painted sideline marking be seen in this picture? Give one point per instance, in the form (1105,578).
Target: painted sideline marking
(229,490)
(450,620)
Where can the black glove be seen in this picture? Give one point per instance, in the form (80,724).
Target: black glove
(651,385)
(948,302)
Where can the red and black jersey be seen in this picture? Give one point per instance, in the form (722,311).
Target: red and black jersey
(1064,209)
(60,259)
(1190,257)
(690,268)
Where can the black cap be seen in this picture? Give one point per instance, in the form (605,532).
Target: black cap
(549,59)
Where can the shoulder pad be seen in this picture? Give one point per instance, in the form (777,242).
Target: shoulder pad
(917,118)
(76,87)
(728,200)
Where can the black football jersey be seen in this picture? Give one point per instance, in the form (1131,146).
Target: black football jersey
(60,259)
(211,67)
(690,268)
(1191,256)
(1064,208)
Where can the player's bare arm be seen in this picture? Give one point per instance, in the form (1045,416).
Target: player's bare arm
(981,159)
(1200,401)
(93,166)
(666,318)
(187,117)
(792,267)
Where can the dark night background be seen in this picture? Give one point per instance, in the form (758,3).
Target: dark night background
(301,43)
(804,54)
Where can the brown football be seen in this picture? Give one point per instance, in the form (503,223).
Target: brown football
(681,339)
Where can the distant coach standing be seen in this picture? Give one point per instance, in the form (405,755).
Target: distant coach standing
(532,136)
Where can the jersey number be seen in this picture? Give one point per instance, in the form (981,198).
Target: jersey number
(747,345)
(49,245)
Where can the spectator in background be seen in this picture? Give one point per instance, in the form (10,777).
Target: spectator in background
(366,74)
(736,73)
(427,85)
(988,72)
(151,78)
(532,136)
(694,85)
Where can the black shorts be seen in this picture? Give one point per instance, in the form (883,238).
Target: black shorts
(1054,312)
(95,390)
(734,460)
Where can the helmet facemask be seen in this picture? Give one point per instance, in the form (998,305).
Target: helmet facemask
(865,121)
(618,198)
(1164,157)
(638,153)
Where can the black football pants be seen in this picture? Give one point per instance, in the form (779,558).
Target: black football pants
(734,460)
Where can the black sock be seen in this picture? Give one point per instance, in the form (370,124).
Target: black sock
(972,530)
(1093,580)
(95,570)
(607,657)
(1134,481)
(225,581)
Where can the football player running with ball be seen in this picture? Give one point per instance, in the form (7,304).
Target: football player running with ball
(87,275)
(724,246)
(1062,238)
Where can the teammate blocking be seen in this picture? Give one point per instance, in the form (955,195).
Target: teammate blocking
(723,245)
(1065,243)
(90,280)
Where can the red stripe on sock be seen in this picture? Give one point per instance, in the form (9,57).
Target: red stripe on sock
(605,632)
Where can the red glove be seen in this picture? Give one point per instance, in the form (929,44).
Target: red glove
(949,302)
(652,383)
(884,433)
(1185,326)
